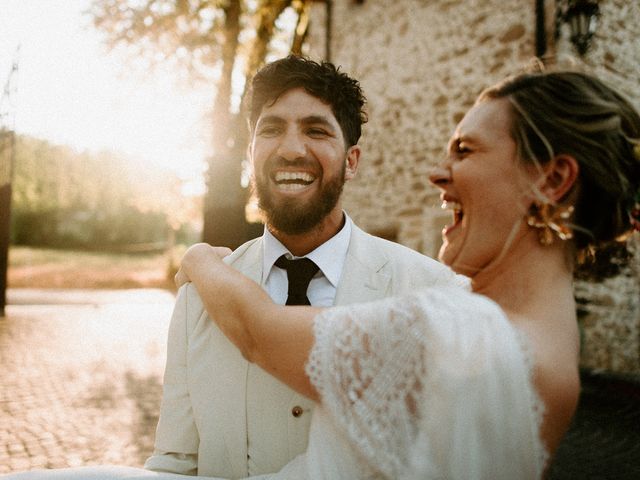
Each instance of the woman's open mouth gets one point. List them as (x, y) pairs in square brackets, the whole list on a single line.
[(458, 214)]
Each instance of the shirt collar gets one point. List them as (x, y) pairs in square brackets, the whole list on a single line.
[(329, 256)]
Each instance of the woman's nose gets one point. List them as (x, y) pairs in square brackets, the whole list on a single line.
[(440, 176)]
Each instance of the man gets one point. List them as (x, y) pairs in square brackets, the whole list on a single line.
[(220, 415)]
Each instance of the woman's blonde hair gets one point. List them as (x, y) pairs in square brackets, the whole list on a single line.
[(576, 114)]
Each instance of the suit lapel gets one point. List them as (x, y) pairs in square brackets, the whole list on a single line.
[(362, 279), (248, 259)]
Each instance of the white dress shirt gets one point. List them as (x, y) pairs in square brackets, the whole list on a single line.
[(329, 257)]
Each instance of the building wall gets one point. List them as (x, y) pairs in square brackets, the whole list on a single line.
[(421, 64)]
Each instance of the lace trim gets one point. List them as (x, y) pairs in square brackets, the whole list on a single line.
[(371, 406)]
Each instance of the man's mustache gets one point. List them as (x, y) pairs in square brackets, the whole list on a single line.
[(280, 162)]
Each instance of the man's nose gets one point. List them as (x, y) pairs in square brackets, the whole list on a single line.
[(292, 146)]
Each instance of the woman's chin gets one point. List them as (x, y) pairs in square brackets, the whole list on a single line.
[(446, 255), (451, 259)]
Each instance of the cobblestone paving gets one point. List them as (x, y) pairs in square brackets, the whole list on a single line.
[(81, 380)]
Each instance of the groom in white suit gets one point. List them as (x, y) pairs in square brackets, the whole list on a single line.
[(220, 415)]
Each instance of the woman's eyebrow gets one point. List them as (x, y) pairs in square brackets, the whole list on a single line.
[(465, 138)]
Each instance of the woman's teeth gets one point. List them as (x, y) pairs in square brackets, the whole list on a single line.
[(449, 205), (455, 207)]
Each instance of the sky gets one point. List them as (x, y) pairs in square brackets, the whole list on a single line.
[(72, 91)]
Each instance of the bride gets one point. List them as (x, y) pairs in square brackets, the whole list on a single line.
[(447, 383)]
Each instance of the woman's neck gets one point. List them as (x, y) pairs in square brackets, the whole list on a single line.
[(529, 279)]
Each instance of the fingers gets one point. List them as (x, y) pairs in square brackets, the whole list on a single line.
[(204, 249), (198, 254), (222, 251), (181, 278)]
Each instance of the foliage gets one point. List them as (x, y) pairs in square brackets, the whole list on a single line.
[(64, 198), (224, 40)]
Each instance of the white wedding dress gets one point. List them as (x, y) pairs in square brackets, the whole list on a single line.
[(434, 385)]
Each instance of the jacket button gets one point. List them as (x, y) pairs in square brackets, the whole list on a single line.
[(297, 411)]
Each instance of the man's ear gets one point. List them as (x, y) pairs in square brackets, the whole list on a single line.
[(353, 157), (560, 175)]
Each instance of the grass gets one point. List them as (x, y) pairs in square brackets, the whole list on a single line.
[(49, 268)]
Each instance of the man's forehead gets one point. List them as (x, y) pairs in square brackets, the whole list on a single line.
[(274, 119), (297, 103)]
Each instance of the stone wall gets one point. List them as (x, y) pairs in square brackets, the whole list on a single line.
[(421, 64)]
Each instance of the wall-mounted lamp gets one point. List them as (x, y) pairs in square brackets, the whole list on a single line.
[(582, 17)]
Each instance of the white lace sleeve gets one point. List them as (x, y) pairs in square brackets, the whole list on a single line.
[(431, 385)]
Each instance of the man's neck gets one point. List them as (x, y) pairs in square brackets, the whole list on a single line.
[(304, 243)]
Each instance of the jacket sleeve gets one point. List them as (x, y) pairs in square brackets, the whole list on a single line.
[(177, 440)]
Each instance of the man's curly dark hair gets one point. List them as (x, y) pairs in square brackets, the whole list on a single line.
[(323, 80)]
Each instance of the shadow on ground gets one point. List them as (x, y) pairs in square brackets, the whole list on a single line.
[(146, 392)]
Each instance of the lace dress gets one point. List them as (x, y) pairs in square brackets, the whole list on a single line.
[(434, 385)]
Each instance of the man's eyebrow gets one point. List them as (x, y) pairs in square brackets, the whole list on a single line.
[(317, 120), (305, 121), (270, 119)]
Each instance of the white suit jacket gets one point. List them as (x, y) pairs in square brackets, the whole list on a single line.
[(215, 403)]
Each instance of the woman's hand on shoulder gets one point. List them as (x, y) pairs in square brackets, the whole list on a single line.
[(198, 255)]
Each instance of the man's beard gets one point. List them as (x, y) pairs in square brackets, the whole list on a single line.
[(293, 216)]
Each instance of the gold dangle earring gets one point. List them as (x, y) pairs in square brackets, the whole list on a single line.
[(551, 220)]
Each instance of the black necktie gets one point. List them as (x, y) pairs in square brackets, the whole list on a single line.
[(299, 273)]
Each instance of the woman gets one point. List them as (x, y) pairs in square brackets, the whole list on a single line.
[(446, 383), (450, 384)]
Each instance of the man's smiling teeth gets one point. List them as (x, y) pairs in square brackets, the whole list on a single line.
[(296, 177), (293, 180)]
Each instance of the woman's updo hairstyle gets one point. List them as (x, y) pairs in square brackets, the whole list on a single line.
[(576, 114)]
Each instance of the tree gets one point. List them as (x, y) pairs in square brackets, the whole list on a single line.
[(65, 198), (220, 39)]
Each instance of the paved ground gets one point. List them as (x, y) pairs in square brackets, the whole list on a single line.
[(80, 377), (81, 373)]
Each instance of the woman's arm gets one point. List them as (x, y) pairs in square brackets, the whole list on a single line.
[(276, 338)]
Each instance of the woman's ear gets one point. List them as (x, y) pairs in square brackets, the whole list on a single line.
[(560, 175), (353, 157)]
